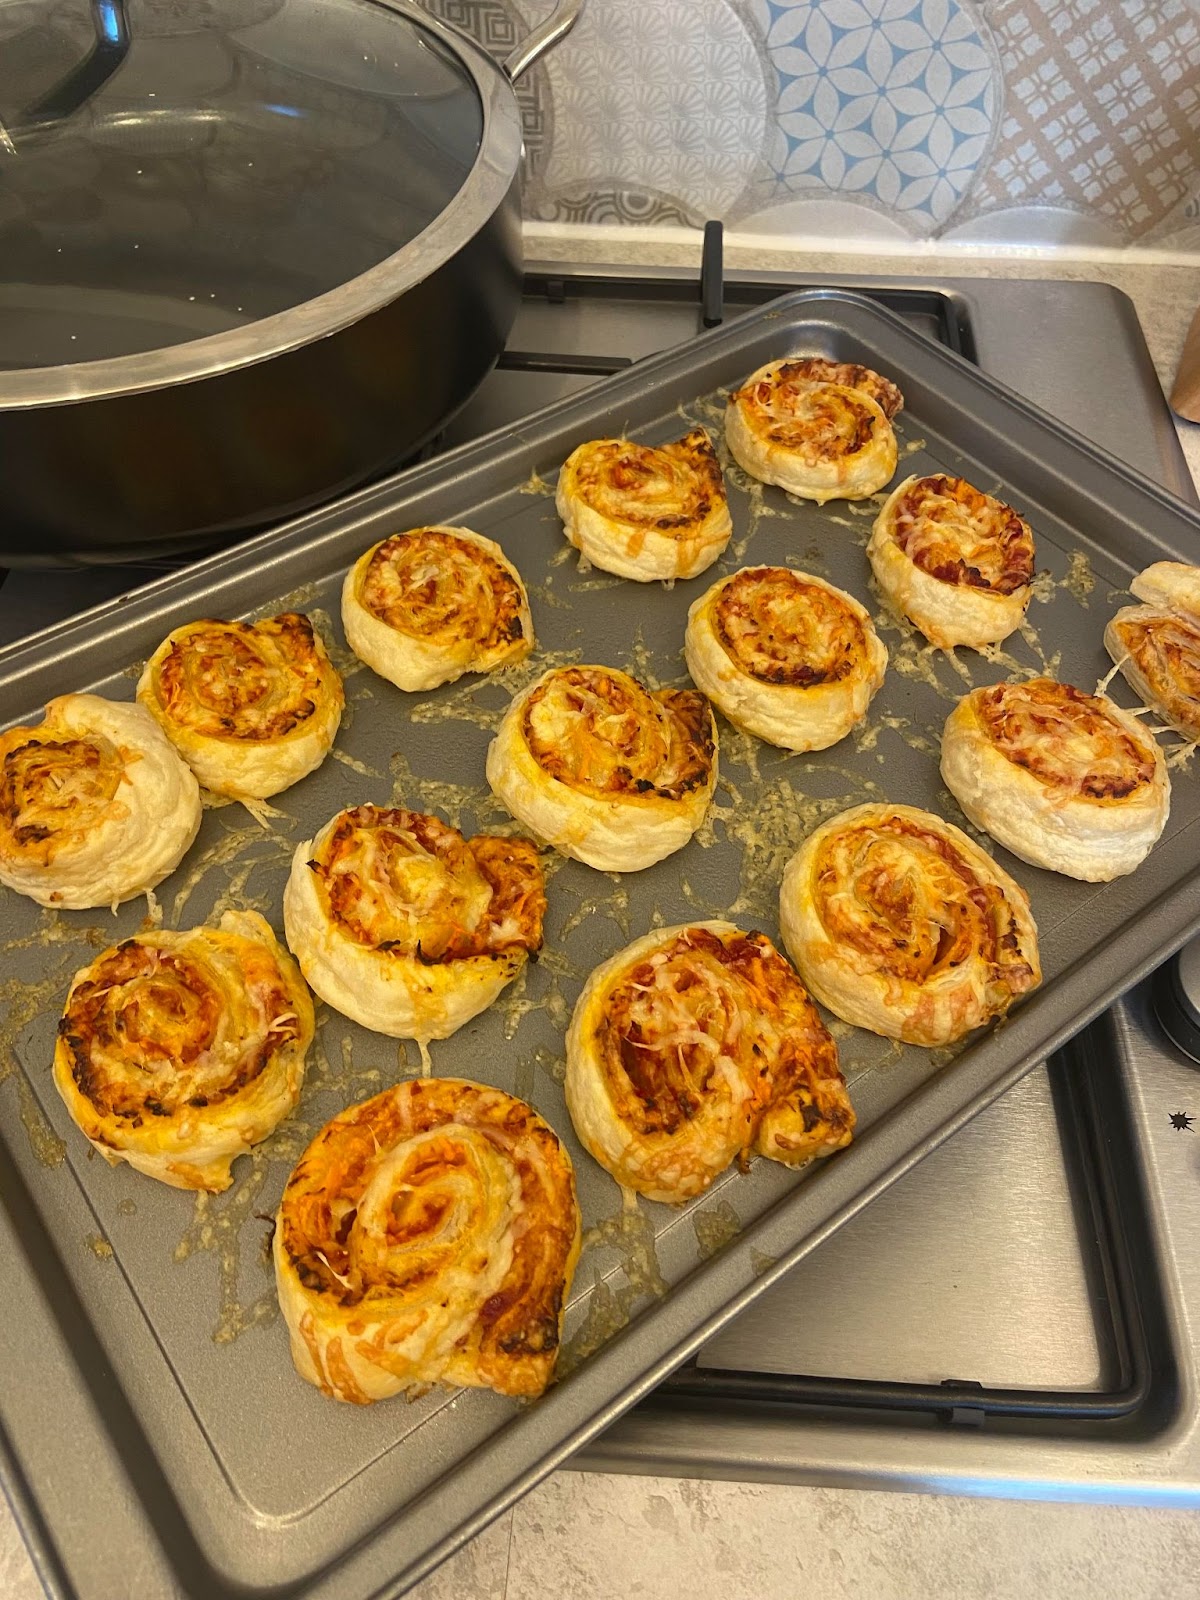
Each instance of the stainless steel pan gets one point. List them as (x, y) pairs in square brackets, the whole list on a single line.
[(252, 254)]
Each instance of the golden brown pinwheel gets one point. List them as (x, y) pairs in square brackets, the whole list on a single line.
[(428, 1235), (178, 1051), (820, 429), (645, 511), (785, 655), (898, 922), (692, 1047), (405, 926), (1065, 780), (95, 805), (1157, 644), (605, 770), (423, 607), (956, 562), (252, 707)]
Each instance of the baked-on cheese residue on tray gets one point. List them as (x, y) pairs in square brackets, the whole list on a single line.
[(693, 1046), (428, 1235)]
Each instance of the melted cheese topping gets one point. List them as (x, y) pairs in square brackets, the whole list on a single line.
[(1157, 645), (785, 656), (1065, 780), (900, 923), (423, 607), (643, 511), (95, 806), (604, 769), (1073, 743), (403, 924), (178, 1051), (251, 706), (692, 1047), (956, 562), (820, 429), (428, 1235)]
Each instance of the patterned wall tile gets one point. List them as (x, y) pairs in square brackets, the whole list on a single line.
[(1102, 110), (891, 101)]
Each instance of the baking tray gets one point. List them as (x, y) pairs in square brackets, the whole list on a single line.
[(148, 1402)]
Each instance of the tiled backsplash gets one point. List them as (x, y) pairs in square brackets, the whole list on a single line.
[(1017, 122)]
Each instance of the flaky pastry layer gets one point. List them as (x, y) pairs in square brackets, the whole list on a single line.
[(696, 1045), (177, 1052), (404, 925), (603, 769), (252, 707), (785, 655), (423, 607), (899, 922), (95, 804), (821, 430), (1065, 780), (427, 1236), (955, 561), (645, 511)]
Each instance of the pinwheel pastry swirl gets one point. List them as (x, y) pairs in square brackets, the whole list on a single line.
[(645, 511), (1157, 644), (405, 926), (953, 560), (423, 607), (95, 805), (1065, 780), (428, 1235), (605, 770), (820, 429), (785, 655), (252, 707), (178, 1051), (898, 922), (694, 1046)]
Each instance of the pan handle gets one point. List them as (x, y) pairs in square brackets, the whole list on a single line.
[(556, 26)]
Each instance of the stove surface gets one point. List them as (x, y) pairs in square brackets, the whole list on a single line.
[(1029, 1275)]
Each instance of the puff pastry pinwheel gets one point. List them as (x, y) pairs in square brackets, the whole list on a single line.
[(400, 923), (956, 562), (178, 1051), (695, 1045), (899, 922), (820, 429), (785, 655), (95, 805), (428, 1235), (1065, 780), (645, 511), (423, 607), (605, 770), (1157, 644), (252, 707)]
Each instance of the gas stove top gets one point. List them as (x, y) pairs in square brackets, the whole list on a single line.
[(1014, 1315)]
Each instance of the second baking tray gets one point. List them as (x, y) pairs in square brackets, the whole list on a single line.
[(142, 1329)]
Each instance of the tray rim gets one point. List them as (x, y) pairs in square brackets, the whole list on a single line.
[(1135, 949)]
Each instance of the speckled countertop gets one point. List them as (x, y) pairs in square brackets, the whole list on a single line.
[(596, 1537)]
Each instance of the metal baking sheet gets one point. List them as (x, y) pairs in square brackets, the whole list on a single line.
[(141, 1326)]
